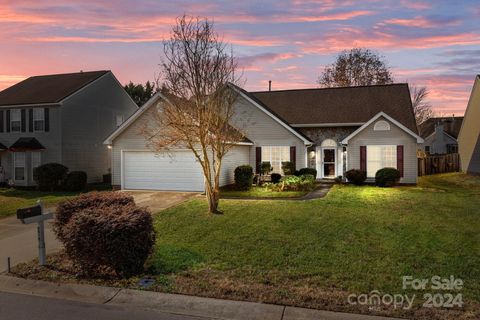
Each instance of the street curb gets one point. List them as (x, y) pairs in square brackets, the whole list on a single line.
[(198, 306), (171, 303), (75, 292)]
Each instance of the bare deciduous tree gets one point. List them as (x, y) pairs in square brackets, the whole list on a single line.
[(421, 107), (357, 67), (198, 70)]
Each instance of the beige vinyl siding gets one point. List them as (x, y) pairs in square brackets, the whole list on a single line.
[(237, 156), (395, 136), (89, 116), (263, 130), (51, 140), (131, 139), (469, 137)]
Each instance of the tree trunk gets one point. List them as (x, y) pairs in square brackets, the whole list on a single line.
[(213, 198)]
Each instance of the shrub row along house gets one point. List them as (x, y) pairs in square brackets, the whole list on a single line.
[(332, 130), (61, 118)]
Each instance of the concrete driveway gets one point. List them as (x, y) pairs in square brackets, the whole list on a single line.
[(19, 241), (160, 200)]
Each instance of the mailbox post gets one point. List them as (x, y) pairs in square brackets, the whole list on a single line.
[(35, 215)]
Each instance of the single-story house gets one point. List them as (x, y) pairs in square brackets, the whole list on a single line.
[(469, 137), (60, 118), (440, 134), (330, 129)]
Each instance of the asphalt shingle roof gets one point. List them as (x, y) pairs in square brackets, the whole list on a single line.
[(47, 89), (341, 105), (451, 125)]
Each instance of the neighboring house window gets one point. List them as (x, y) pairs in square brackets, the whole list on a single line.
[(427, 149), (276, 155), (38, 119), (19, 164), (15, 120), (381, 125), (452, 148), (379, 157), (119, 120), (36, 160)]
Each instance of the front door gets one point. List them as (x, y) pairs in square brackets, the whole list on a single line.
[(328, 163)]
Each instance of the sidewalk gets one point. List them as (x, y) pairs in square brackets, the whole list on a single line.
[(170, 303)]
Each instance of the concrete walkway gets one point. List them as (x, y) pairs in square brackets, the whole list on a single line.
[(170, 303)]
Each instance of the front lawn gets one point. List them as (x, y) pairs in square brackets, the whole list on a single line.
[(259, 192), (12, 199), (315, 253)]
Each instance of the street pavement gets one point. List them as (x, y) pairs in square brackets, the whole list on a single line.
[(27, 307)]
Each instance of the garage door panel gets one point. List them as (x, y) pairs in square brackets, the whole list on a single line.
[(145, 170)]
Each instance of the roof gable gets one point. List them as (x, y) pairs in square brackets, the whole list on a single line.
[(354, 105), (47, 89), (451, 126), (384, 115)]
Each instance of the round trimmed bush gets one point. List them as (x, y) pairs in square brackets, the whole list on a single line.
[(105, 231), (288, 168), (275, 177), (387, 177), (305, 171), (49, 176), (243, 177), (355, 176), (75, 181)]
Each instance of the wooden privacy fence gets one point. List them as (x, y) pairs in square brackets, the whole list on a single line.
[(431, 164)]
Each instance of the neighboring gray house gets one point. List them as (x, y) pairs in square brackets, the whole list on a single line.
[(61, 118), (332, 130), (440, 134)]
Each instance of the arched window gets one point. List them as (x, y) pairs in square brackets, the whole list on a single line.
[(381, 125), (329, 143)]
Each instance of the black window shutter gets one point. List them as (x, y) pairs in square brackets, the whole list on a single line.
[(24, 120), (258, 158), (1, 120), (30, 120), (8, 120), (47, 119)]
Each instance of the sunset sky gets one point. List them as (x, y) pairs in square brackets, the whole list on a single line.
[(432, 43)]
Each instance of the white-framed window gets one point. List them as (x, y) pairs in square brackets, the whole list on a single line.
[(15, 120), (119, 120), (276, 155), (36, 158), (38, 119), (19, 166), (379, 157)]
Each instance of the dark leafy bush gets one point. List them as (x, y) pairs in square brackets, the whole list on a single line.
[(387, 177), (49, 176), (266, 167), (275, 177), (75, 181), (243, 177), (67, 209), (355, 176), (105, 230), (288, 168), (305, 171)]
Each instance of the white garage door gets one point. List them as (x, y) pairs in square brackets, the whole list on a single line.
[(146, 170)]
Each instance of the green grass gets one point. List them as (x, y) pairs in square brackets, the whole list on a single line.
[(12, 199), (356, 239), (260, 192)]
